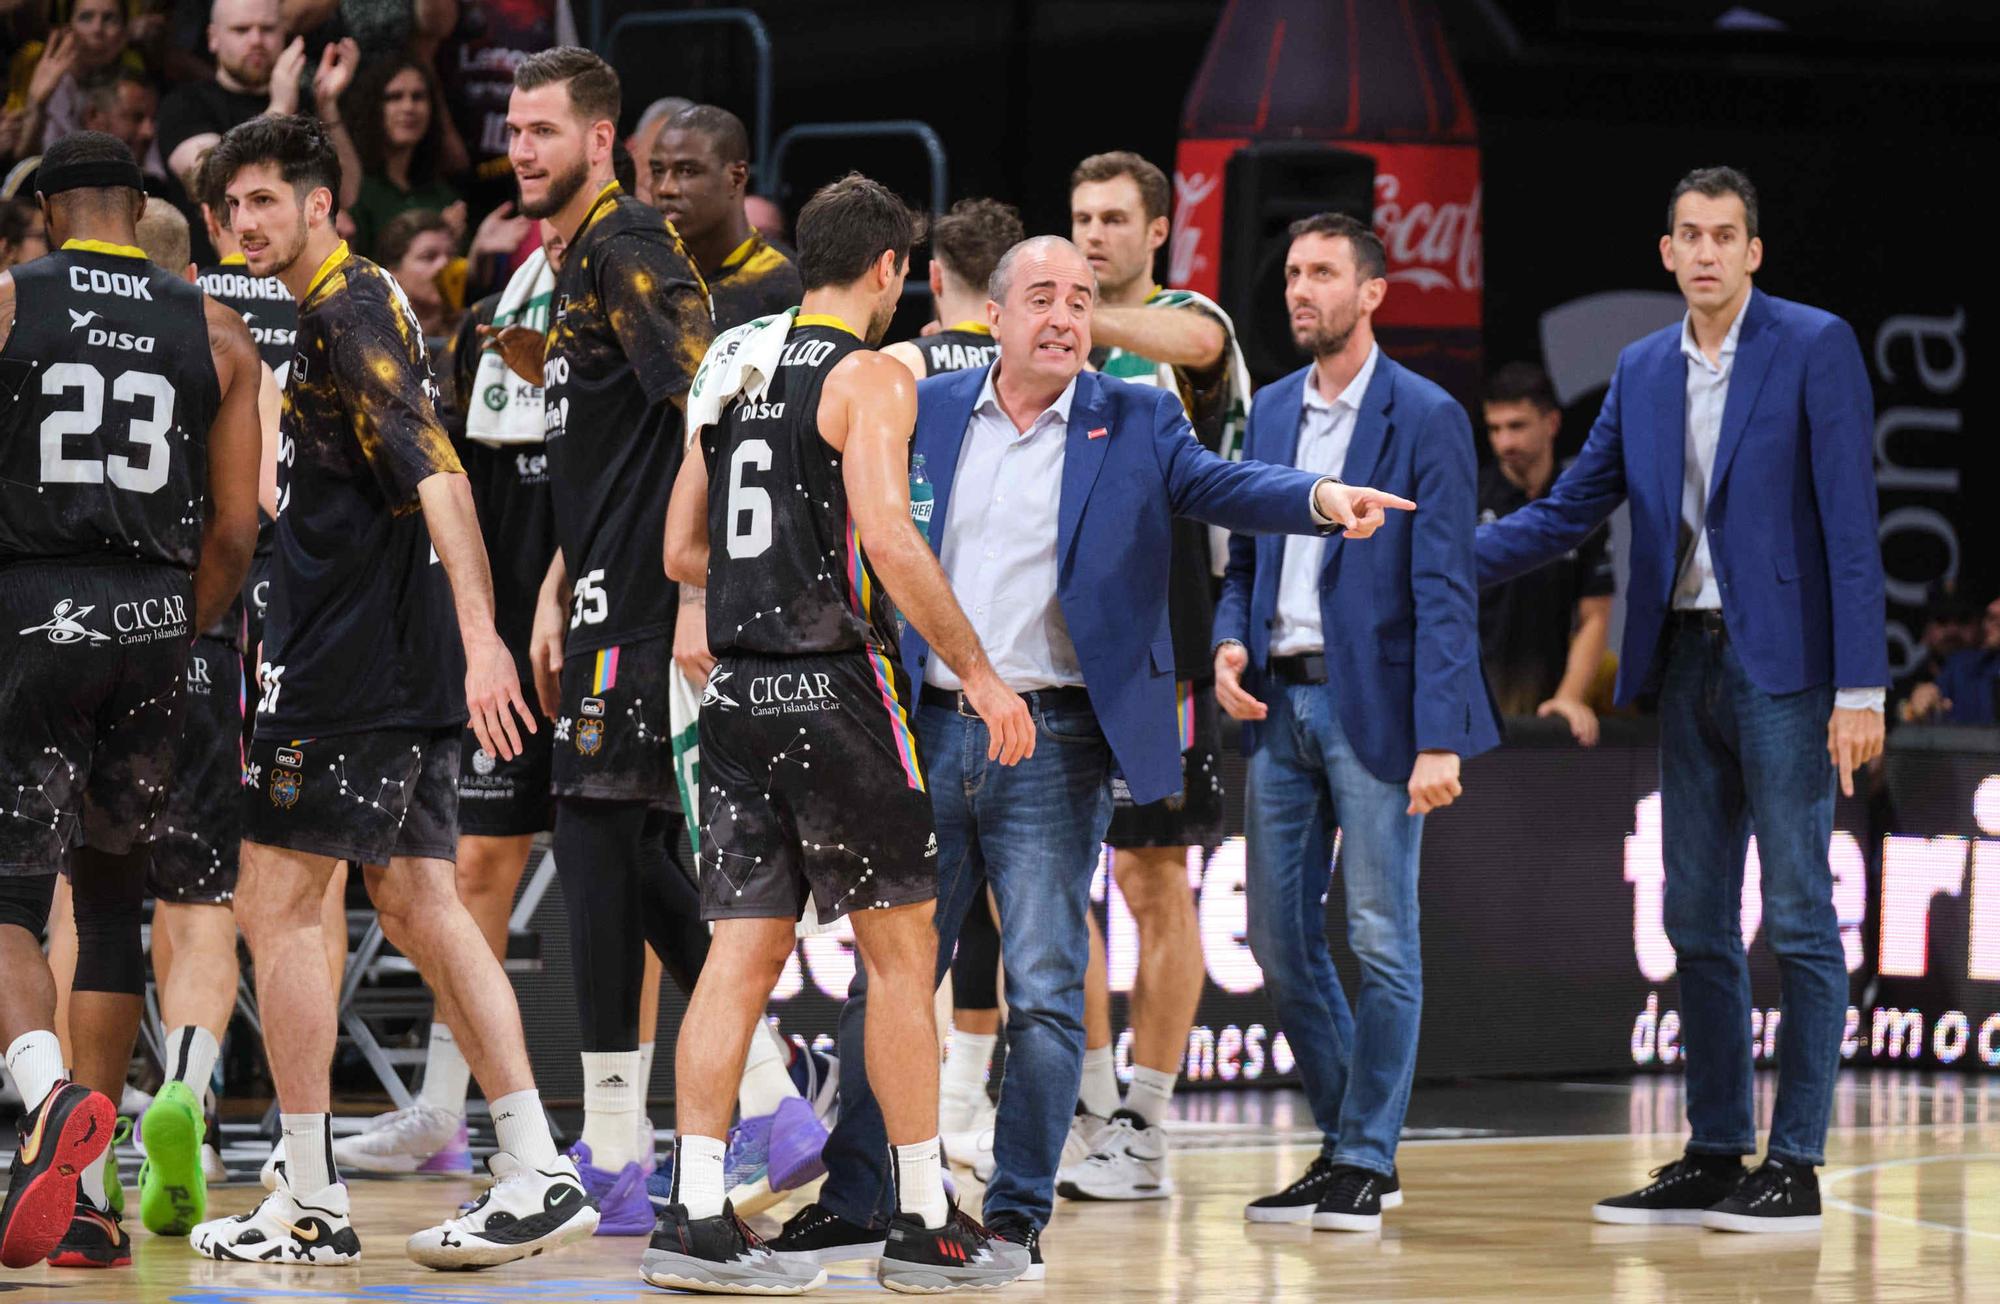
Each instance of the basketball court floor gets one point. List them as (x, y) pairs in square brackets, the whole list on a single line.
[(1499, 1179)]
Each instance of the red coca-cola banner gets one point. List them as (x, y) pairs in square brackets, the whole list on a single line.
[(1427, 211)]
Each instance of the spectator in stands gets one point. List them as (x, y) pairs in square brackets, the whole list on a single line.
[(256, 73), (1967, 688), (125, 105), (768, 218), (396, 116), (418, 247), (47, 81), (1542, 636), (23, 237), (700, 165), (1950, 624)]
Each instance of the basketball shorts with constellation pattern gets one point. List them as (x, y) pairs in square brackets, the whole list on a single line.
[(90, 706), (194, 848), (613, 739), (360, 797), (812, 786)]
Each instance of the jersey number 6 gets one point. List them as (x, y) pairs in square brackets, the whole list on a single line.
[(748, 504)]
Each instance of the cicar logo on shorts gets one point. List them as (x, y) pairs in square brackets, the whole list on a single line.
[(286, 779)]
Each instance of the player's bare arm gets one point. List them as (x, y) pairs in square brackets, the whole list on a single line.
[(270, 411), (491, 686), (524, 351), (686, 558), (1179, 337), (235, 454), (545, 640), (868, 410)]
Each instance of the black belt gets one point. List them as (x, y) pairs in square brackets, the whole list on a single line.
[(1305, 668), (1058, 699), (1706, 620)]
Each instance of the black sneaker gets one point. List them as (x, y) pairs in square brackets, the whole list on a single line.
[(1017, 1230), (58, 1141), (96, 1239), (1777, 1196), (1354, 1200), (960, 1255), (1677, 1195), (818, 1235), (1296, 1202), (720, 1255)]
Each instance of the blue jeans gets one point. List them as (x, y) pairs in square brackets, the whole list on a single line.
[(1034, 833), (1732, 758), (1356, 1063)]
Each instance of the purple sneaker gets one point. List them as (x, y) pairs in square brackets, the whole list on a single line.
[(797, 1137), (620, 1197)]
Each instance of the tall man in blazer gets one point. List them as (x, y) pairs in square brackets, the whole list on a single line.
[(1742, 438), (1056, 490), (1356, 674)]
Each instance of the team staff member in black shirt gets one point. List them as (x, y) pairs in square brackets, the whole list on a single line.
[(630, 324), (700, 167), (366, 680), (966, 245), (1542, 636)]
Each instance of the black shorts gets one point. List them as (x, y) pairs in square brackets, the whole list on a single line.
[(90, 706), (194, 849), (811, 783), (1192, 817), (613, 740), (362, 797), (504, 799)]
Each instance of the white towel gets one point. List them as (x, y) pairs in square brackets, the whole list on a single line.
[(507, 408), (742, 360)]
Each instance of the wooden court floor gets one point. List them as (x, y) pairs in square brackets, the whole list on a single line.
[(1914, 1214)]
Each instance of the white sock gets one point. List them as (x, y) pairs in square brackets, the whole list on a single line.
[(966, 1058), (35, 1060), (523, 1129), (447, 1077), (920, 1182), (698, 1175), (766, 1081), (611, 1099), (645, 1071), (1150, 1094), (308, 1154), (191, 1056), (91, 1181), (1099, 1092)]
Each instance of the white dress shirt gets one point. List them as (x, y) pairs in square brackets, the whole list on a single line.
[(1326, 428), (999, 544), (1696, 588)]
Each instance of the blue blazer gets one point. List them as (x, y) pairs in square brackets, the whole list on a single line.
[(1791, 505), (1120, 493), (1400, 612)]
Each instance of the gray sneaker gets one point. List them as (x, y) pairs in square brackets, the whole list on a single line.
[(961, 1255), (720, 1256)]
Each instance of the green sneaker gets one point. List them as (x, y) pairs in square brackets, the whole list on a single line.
[(173, 1194), (114, 1187)]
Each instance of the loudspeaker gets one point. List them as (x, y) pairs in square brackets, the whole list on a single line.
[(1267, 186)]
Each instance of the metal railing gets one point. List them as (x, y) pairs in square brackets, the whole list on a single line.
[(751, 25)]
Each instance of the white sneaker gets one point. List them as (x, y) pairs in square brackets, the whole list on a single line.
[(1081, 1143), (284, 1229), (1129, 1163), (968, 1111), (422, 1138), (525, 1212), (133, 1102), (968, 1133), (213, 1170)]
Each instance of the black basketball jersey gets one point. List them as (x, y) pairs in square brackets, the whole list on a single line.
[(786, 574), (104, 448), (964, 346), (265, 305)]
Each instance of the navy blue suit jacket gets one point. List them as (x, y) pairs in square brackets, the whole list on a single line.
[(1399, 611), (1120, 492), (1791, 504)]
